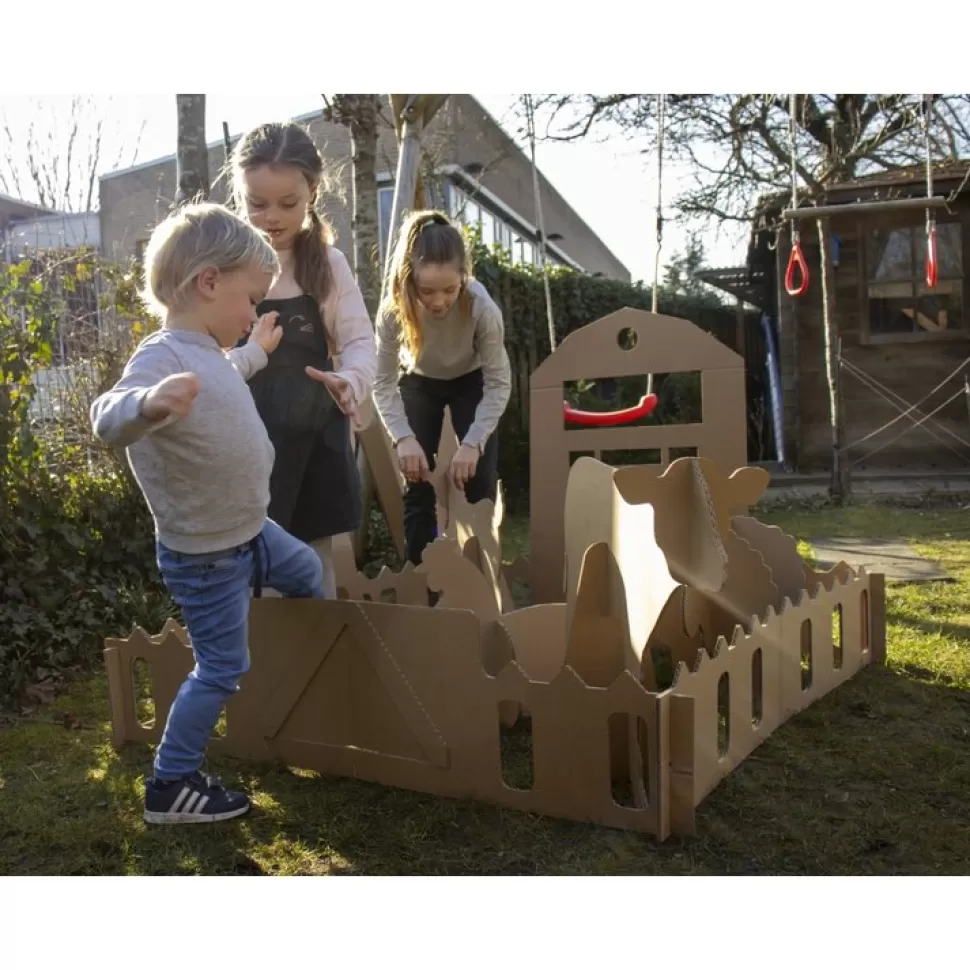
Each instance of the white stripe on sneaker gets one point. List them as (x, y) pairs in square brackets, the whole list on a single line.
[(190, 804)]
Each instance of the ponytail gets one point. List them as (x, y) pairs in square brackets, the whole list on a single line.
[(425, 237), (311, 263)]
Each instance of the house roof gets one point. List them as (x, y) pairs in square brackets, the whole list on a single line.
[(909, 181), (944, 173), (164, 159), (453, 170), (9, 199), (898, 183), (739, 281), (11, 208)]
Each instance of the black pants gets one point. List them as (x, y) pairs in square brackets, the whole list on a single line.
[(425, 400)]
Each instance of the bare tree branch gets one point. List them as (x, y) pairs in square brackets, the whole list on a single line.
[(93, 163), (55, 157), (69, 152), (738, 146)]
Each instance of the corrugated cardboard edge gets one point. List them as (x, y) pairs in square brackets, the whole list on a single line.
[(389, 668)]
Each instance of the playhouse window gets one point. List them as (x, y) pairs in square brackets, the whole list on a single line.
[(900, 305)]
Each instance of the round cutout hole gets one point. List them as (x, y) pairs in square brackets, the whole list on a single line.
[(627, 338)]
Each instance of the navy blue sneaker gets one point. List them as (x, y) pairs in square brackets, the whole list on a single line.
[(197, 798)]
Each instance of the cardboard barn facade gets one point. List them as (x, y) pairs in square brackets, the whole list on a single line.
[(688, 632), (628, 343)]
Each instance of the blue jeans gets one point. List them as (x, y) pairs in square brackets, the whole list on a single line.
[(212, 591)]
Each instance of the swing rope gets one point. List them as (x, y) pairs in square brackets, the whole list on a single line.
[(654, 296), (919, 423), (530, 123), (796, 261), (931, 255), (894, 400), (588, 418), (861, 375)]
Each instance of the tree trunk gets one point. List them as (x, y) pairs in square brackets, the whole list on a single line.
[(839, 485), (191, 153), (362, 115), (367, 262), (359, 112)]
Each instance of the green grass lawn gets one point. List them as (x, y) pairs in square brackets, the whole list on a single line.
[(874, 779)]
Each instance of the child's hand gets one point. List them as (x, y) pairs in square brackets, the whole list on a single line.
[(339, 388), (266, 333), (463, 465), (174, 395), (412, 460)]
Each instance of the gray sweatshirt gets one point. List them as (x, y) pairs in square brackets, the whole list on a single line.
[(205, 477), (452, 346)]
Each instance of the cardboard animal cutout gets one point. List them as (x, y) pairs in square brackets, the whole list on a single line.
[(415, 696), (671, 633), (624, 344)]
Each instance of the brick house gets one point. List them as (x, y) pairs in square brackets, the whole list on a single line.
[(480, 176)]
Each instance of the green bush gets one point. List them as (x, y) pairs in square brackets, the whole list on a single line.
[(76, 540), (76, 566)]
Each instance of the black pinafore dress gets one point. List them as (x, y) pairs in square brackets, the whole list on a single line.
[(315, 490)]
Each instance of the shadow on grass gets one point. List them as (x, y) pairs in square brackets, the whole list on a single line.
[(874, 779), (903, 618)]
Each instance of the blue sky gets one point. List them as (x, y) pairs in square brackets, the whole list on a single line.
[(610, 184)]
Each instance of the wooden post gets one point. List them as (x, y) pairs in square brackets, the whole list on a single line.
[(788, 357), (406, 181), (877, 617), (824, 211)]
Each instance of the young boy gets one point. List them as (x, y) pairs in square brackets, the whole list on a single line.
[(203, 460)]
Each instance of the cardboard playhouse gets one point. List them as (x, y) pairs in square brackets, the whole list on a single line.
[(688, 632)]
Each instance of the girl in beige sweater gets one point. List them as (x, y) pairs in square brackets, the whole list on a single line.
[(440, 343)]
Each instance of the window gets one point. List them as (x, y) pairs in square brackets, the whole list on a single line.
[(489, 229), (901, 307), (505, 237), (523, 251), (457, 203), (448, 197), (435, 194), (385, 205), (467, 210)]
